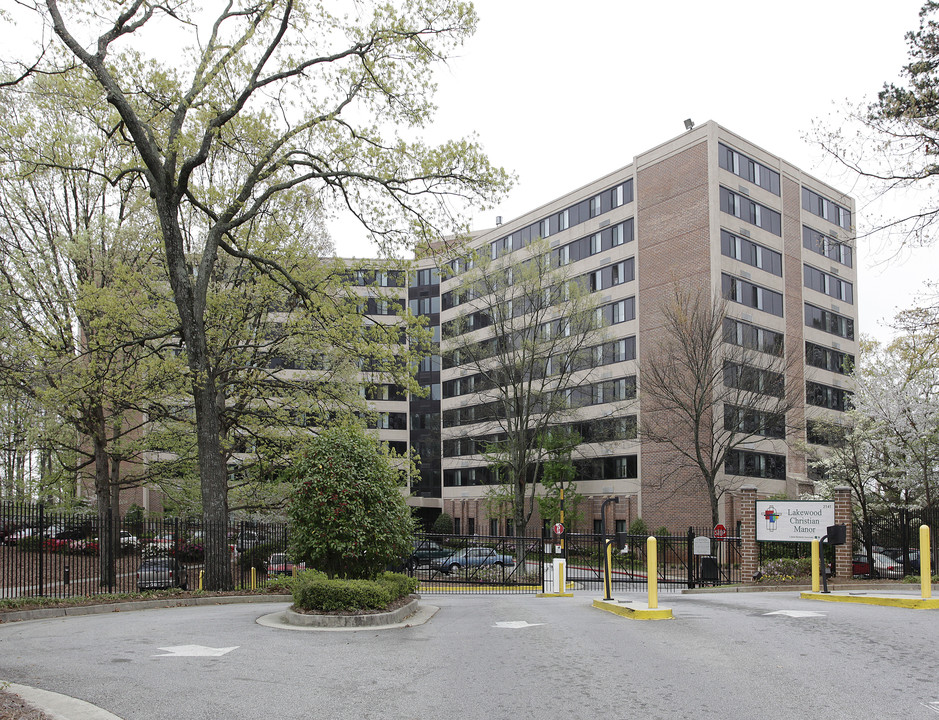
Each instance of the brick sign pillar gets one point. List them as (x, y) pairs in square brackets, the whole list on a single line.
[(843, 515), (749, 550)]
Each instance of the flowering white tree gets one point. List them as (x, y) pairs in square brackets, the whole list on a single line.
[(898, 390)]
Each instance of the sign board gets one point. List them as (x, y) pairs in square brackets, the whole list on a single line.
[(558, 529), (793, 520), (720, 532), (702, 545)]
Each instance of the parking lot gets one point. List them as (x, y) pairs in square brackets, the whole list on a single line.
[(729, 655)]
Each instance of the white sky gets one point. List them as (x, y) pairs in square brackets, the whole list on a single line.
[(563, 92)]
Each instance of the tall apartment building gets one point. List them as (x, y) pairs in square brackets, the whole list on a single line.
[(707, 209)]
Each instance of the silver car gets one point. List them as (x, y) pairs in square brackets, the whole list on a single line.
[(159, 573)]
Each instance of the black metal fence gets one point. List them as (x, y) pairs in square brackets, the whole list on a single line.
[(477, 564), (894, 535), (50, 553), (678, 566)]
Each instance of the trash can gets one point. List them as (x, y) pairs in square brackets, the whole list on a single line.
[(710, 570)]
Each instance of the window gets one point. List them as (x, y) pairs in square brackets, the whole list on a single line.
[(828, 321), (825, 208), (751, 295), (618, 235), (830, 247), (754, 422), (493, 526), (623, 349), (753, 337), (753, 379), (544, 228), (742, 166), (755, 464), (623, 310), (594, 206), (431, 276), (751, 212), (564, 220), (828, 359), (564, 255), (829, 284), (751, 253), (622, 194), (827, 397), (596, 281), (595, 244)]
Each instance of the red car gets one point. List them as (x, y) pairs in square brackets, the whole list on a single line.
[(279, 564)]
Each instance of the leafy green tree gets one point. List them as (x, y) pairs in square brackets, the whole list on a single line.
[(278, 99), (443, 524), (348, 515)]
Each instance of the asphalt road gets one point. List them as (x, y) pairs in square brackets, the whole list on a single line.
[(724, 655)]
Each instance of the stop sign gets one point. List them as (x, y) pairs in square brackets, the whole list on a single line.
[(558, 529), (720, 532)]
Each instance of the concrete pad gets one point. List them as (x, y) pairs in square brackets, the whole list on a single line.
[(904, 601), (634, 610)]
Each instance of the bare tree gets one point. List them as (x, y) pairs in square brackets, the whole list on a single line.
[(524, 342), (710, 386)]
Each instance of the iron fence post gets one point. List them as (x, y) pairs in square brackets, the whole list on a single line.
[(42, 534), (690, 551), (108, 537)]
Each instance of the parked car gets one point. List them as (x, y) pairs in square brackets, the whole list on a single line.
[(247, 540), (860, 567), (472, 557), (886, 567), (161, 573), (280, 564), (425, 553)]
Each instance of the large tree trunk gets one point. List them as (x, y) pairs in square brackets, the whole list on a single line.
[(106, 570)]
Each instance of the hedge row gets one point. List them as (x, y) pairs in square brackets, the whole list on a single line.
[(312, 590)]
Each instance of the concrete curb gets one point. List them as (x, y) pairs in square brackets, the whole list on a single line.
[(902, 601), (131, 605), (60, 707), (634, 610), (370, 620), (421, 614)]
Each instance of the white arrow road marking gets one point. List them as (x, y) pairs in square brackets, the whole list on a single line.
[(796, 613), (515, 624), (195, 651)]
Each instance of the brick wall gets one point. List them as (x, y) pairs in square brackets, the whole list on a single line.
[(674, 245), (795, 336)]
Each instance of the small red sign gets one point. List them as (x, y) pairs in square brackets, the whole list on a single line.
[(720, 532), (558, 529)]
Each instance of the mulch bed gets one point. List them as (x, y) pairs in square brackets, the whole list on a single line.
[(13, 707)]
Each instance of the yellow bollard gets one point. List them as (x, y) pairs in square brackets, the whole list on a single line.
[(254, 578), (652, 573), (201, 576), (816, 563), (925, 564)]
